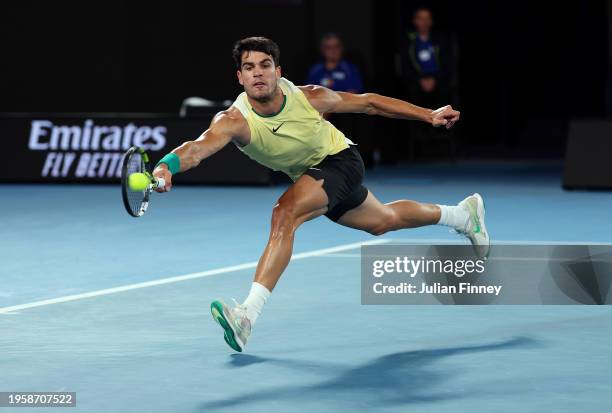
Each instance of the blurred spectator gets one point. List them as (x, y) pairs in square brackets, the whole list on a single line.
[(338, 74), (335, 72), (428, 62)]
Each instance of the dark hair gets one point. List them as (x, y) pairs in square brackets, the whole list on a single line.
[(255, 44)]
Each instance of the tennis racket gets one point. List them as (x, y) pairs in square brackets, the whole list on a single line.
[(137, 183)]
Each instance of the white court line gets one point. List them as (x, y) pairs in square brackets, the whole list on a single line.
[(344, 255), (179, 278), (569, 260), (426, 241)]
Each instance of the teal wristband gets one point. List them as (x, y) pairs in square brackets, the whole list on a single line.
[(173, 162)]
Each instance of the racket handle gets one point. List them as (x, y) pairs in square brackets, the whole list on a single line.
[(159, 183)]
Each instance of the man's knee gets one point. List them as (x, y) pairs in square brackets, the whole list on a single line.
[(385, 222), (283, 218)]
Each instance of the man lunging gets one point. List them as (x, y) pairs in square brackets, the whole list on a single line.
[(280, 125)]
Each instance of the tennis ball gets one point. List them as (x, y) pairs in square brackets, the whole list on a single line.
[(138, 182)]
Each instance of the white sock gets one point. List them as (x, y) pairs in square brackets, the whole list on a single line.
[(453, 216), (255, 301)]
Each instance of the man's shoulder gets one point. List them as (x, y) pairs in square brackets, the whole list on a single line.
[(311, 90), (230, 119), (230, 114), (231, 122)]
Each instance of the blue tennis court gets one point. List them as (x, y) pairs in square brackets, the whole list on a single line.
[(116, 309)]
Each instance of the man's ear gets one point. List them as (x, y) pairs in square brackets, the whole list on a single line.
[(278, 72), (239, 74)]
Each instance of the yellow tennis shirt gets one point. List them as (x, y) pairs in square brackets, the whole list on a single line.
[(295, 138)]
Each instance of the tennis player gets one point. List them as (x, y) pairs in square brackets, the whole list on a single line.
[(280, 125)]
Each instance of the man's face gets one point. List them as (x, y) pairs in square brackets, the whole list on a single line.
[(422, 21), (331, 49), (258, 75)]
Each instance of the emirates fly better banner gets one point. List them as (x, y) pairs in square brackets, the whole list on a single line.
[(90, 150), (46, 149)]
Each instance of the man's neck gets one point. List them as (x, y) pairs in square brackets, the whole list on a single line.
[(270, 107)]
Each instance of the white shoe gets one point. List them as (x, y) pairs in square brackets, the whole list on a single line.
[(234, 322), (475, 229)]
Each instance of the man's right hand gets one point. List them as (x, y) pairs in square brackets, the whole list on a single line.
[(162, 172)]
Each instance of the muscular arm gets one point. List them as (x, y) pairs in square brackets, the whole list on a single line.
[(328, 101), (226, 126)]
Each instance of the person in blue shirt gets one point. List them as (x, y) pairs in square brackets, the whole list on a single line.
[(334, 72), (428, 61)]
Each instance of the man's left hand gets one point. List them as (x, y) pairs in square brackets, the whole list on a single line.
[(445, 116)]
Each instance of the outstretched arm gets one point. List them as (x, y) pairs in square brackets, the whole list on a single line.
[(225, 126), (329, 101)]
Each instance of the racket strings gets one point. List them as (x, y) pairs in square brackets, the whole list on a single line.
[(135, 198)]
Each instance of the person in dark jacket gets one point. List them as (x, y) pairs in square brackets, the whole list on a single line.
[(428, 61)]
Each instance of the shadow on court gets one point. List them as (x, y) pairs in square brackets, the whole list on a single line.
[(393, 379)]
